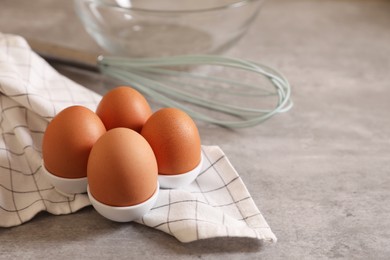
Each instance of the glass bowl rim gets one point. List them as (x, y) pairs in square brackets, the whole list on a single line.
[(232, 5)]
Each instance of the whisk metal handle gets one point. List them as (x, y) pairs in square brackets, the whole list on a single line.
[(59, 54)]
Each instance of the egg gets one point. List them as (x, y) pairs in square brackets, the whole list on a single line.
[(122, 169), (175, 141), (124, 107), (68, 140)]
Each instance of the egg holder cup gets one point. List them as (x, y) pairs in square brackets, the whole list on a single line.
[(180, 180), (66, 186), (71, 186), (126, 213)]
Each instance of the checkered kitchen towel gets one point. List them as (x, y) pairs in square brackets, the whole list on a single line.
[(217, 204)]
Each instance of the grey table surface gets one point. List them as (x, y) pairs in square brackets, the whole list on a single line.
[(320, 173)]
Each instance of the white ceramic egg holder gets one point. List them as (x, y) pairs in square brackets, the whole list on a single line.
[(69, 187), (124, 214), (66, 186), (180, 180)]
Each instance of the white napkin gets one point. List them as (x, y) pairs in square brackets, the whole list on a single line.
[(217, 204)]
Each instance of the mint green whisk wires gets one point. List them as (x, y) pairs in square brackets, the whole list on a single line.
[(155, 78)]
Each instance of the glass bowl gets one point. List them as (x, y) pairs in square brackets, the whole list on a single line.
[(156, 28)]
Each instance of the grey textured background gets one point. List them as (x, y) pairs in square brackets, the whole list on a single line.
[(320, 174)]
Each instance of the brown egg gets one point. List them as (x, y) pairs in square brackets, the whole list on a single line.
[(124, 107), (122, 169), (68, 140), (175, 140)]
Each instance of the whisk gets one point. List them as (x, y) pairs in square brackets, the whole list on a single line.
[(175, 81)]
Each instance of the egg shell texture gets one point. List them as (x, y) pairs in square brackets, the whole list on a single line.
[(68, 140), (124, 107), (122, 169), (175, 140)]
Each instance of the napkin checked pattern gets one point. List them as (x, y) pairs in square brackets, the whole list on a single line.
[(216, 204)]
